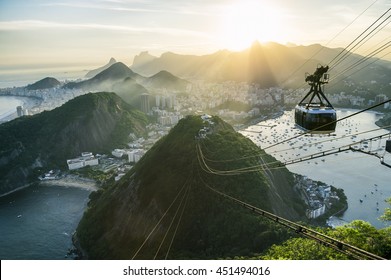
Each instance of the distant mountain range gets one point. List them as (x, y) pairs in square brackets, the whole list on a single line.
[(94, 72), (95, 122), (269, 65), (129, 85)]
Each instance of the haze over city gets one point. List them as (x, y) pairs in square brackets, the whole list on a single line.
[(40, 33)]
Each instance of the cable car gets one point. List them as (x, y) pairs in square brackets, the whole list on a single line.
[(317, 114)]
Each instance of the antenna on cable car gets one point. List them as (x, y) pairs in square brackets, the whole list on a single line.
[(318, 111)]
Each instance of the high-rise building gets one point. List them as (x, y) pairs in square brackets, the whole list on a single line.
[(157, 98), (145, 103), (19, 111)]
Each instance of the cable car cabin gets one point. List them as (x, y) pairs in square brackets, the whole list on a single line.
[(314, 112), (311, 118)]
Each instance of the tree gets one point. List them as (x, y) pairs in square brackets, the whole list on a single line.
[(387, 212)]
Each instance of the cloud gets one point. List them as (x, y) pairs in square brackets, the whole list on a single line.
[(26, 25), (143, 7)]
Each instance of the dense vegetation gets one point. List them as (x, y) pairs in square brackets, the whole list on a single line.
[(358, 233), (96, 122), (122, 214)]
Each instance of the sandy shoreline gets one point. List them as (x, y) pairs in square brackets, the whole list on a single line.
[(67, 182), (72, 182), (28, 103)]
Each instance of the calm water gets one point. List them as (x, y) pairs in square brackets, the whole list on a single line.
[(38, 222), (359, 175), (24, 76), (8, 105)]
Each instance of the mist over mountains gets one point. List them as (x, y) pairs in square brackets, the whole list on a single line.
[(268, 65)]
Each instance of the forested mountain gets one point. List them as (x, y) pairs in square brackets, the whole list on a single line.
[(95, 122), (169, 179)]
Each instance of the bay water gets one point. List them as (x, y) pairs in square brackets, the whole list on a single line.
[(366, 182)]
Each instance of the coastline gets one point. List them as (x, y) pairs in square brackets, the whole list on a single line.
[(67, 181), (28, 103), (70, 181)]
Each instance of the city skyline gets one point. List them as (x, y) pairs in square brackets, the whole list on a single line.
[(41, 32)]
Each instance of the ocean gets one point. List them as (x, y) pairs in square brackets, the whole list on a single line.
[(37, 222), (8, 105), (26, 76)]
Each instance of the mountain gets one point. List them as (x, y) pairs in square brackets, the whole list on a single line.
[(95, 72), (262, 64), (142, 59), (165, 79), (95, 122), (167, 196), (45, 83), (117, 78), (268, 64), (105, 79), (129, 85)]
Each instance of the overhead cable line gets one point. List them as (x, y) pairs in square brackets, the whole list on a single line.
[(323, 47), (177, 226), (336, 121), (359, 43), (321, 238), (185, 195), (363, 59), (277, 164), (159, 222), (346, 77), (345, 49), (291, 148)]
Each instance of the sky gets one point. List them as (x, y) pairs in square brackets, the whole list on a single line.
[(35, 33)]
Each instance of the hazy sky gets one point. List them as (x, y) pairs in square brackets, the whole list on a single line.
[(36, 32)]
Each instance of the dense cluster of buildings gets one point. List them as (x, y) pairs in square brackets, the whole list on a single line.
[(318, 196), (169, 106), (86, 159)]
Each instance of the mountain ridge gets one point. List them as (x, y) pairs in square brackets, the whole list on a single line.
[(269, 65), (94, 72), (95, 122), (45, 83)]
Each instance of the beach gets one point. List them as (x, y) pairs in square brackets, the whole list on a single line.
[(9, 104), (72, 181)]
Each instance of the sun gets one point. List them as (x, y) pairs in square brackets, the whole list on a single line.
[(244, 22)]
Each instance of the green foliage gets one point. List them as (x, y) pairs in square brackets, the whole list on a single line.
[(301, 249), (120, 217), (365, 236), (387, 212), (357, 233)]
